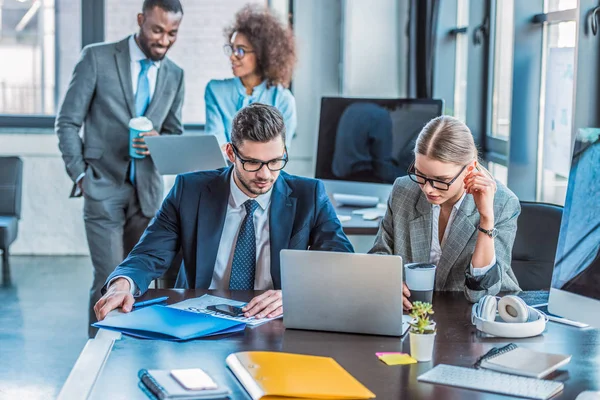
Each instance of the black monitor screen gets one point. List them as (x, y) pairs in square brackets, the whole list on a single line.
[(577, 263), (370, 140)]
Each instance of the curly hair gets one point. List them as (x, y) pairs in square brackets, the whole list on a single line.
[(273, 43)]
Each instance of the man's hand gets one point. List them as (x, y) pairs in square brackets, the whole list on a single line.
[(80, 184), (139, 143), (405, 294), (267, 305), (117, 295)]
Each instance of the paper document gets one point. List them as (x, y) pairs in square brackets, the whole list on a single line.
[(199, 305)]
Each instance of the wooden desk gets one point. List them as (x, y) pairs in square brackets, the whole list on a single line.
[(457, 343)]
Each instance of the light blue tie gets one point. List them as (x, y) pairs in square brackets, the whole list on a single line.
[(142, 100), (244, 257)]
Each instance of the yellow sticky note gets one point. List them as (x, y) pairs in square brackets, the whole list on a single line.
[(397, 359)]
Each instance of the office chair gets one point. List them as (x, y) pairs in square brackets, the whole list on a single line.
[(534, 250), (11, 182)]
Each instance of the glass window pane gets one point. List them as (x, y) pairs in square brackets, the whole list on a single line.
[(199, 46), (559, 5), (556, 104), (499, 172), (42, 48), (462, 46), (503, 68)]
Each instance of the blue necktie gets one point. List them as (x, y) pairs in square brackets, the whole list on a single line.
[(244, 258), (142, 100)]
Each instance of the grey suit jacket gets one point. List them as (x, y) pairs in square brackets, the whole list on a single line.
[(406, 231), (100, 98)]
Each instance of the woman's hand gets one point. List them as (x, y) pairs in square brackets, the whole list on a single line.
[(406, 304), (482, 187)]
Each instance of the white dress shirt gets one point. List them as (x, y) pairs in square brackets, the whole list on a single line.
[(233, 222), (135, 56), (436, 247)]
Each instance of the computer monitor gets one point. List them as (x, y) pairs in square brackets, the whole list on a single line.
[(575, 289), (370, 140)]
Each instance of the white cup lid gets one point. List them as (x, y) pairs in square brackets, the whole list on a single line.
[(142, 124)]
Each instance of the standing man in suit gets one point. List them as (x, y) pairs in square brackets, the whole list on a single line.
[(232, 223), (111, 84)]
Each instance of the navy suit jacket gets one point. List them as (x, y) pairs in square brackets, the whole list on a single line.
[(192, 216)]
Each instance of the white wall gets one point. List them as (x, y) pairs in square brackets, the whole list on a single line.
[(51, 223), (317, 27), (375, 48)]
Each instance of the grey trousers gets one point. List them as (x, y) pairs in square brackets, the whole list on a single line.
[(113, 227)]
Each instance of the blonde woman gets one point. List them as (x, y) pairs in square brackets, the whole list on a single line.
[(449, 211)]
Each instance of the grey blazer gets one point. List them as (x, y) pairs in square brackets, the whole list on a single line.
[(100, 98), (406, 231)]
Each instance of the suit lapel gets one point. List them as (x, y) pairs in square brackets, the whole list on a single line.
[(462, 229), (124, 69), (420, 232), (211, 218), (281, 220), (161, 82)]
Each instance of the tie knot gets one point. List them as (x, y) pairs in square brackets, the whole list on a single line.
[(146, 63), (251, 206)]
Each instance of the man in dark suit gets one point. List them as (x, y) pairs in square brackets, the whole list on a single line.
[(232, 223), (113, 83)]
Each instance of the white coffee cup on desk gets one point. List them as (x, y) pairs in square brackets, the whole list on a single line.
[(420, 279)]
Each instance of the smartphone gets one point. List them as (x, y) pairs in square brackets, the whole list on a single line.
[(193, 379), (227, 310)]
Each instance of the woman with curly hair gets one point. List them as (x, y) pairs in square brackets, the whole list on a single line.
[(262, 54)]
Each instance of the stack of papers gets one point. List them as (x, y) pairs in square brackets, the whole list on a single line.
[(199, 304)]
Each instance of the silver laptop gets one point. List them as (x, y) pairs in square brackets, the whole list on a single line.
[(178, 154), (343, 292)]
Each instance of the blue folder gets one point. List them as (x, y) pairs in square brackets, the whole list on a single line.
[(166, 323)]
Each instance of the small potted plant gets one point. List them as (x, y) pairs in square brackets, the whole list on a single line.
[(422, 331)]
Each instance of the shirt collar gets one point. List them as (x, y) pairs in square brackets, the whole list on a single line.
[(256, 91), (136, 54), (456, 205), (238, 198)]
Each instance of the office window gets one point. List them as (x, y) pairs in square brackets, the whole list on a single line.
[(499, 172), (503, 68), (460, 71), (39, 45), (559, 5), (556, 105), (199, 46)]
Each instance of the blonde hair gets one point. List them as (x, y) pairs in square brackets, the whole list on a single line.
[(448, 140)]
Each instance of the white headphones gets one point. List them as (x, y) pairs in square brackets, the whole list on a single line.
[(520, 320)]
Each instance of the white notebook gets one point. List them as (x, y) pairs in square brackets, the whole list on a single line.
[(516, 360)]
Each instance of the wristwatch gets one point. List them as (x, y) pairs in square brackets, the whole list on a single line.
[(492, 233)]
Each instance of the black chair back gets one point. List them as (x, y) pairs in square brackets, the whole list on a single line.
[(11, 182), (535, 244)]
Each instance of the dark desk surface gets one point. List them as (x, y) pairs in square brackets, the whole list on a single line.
[(457, 343), (357, 225)]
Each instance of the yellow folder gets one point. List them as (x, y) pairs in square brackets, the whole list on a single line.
[(273, 376)]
